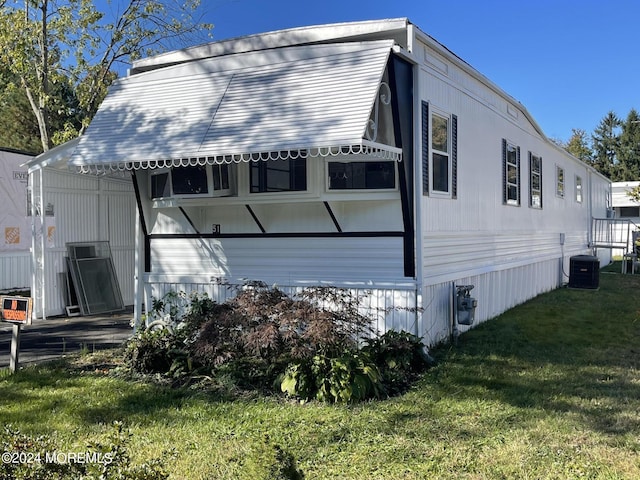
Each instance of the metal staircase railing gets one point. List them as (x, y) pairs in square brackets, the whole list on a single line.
[(613, 233)]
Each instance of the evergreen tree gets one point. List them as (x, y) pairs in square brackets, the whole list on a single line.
[(629, 148), (606, 143), (578, 146)]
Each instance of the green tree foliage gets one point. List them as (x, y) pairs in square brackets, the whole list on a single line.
[(18, 126), (578, 145), (606, 143), (629, 147), (614, 149), (64, 54), (634, 194)]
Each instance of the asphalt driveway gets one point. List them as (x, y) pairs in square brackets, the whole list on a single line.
[(51, 338)]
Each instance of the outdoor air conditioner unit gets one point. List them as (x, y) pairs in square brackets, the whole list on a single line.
[(584, 271)]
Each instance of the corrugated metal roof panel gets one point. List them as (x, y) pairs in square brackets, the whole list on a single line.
[(319, 98)]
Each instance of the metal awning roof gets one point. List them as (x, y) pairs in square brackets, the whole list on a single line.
[(311, 100)]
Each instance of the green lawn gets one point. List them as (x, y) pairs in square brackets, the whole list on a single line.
[(548, 390)]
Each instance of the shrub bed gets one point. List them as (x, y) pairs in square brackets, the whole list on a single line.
[(309, 346)]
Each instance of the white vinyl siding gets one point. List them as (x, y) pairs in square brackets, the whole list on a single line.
[(16, 271), (282, 260)]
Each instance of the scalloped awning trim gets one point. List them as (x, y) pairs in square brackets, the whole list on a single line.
[(370, 149)]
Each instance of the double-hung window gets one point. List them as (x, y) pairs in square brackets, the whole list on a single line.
[(559, 181), (510, 173), (578, 189), (439, 152), (535, 181)]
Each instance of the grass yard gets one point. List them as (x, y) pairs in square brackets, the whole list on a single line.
[(548, 390)]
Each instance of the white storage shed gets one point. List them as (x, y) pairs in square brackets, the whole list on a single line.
[(363, 155), (77, 209)]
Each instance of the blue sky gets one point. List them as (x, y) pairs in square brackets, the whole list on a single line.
[(569, 62)]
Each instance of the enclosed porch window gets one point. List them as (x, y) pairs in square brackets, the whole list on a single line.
[(192, 181), (289, 175), (361, 175)]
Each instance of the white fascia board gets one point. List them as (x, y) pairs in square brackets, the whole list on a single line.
[(395, 29)]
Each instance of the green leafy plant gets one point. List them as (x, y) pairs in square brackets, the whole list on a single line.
[(348, 378), (400, 356)]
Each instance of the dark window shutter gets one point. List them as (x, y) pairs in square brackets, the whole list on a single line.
[(454, 156), (518, 167), (504, 171), (425, 148)]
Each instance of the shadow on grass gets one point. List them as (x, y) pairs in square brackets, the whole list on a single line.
[(569, 351), (83, 396)]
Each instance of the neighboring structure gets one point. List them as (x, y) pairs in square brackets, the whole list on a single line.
[(77, 208), (626, 212), (15, 228), (364, 155)]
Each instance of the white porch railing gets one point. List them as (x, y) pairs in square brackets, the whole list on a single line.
[(389, 307), (614, 233)]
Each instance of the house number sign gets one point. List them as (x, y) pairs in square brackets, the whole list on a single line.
[(215, 229)]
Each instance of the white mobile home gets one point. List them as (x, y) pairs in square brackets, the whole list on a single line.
[(69, 208), (363, 155), (14, 225)]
